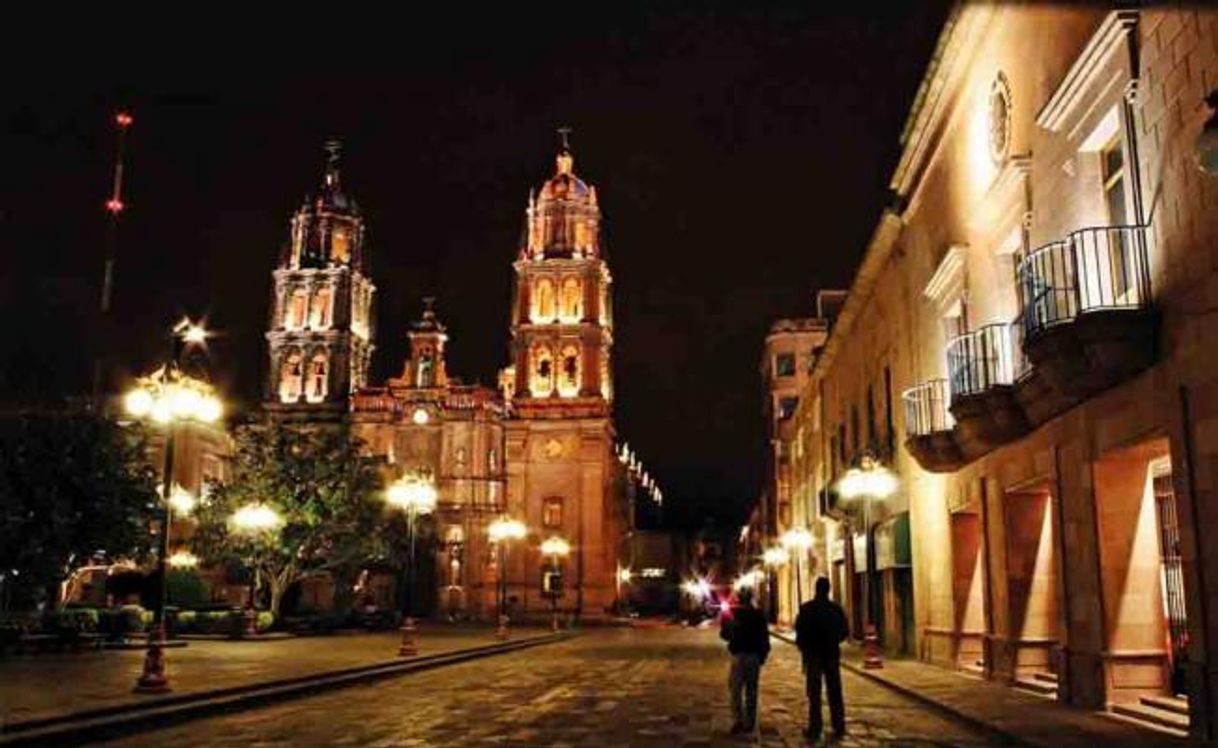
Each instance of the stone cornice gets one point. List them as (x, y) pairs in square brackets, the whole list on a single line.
[(1116, 31)]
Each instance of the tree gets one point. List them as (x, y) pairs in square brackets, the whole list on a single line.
[(71, 485), (324, 490)]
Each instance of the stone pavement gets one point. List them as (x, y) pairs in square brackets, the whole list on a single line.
[(1024, 717), (55, 684), (609, 687)]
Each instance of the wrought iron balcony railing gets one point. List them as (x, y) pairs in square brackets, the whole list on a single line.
[(926, 408), (1092, 269), (979, 360)]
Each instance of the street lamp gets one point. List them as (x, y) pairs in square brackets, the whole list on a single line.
[(555, 549), (416, 494), (166, 398), (255, 521), (797, 541), (501, 532), (869, 481)]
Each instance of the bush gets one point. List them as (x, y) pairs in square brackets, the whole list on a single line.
[(265, 620), (131, 619), (186, 588), (187, 621)]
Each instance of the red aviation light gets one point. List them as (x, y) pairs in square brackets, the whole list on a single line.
[(114, 205), (123, 120)]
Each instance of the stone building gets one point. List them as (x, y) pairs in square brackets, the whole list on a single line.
[(790, 351), (1027, 346), (430, 427), (560, 437), (539, 449), (320, 336)]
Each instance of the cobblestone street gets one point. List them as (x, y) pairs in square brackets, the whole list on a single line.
[(619, 687)]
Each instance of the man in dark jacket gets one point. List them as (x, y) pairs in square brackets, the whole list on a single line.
[(820, 628), (748, 640)]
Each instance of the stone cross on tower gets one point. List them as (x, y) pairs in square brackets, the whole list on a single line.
[(564, 132)]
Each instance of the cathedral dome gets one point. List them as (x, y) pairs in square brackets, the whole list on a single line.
[(563, 217)]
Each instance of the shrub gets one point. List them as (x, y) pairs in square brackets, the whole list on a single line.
[(187, 621), (131, 618), (265, 620)]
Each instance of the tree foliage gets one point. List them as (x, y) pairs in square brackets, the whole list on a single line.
[(71, 485), (322, 486)]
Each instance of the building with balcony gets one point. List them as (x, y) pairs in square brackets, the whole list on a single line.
[(1026, 345)]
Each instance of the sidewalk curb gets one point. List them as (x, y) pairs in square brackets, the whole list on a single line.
[(1000, 736), (105, 723)]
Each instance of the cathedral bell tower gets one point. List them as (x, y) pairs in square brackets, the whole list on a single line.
[(559, 440), (321, 327), (425, 369), (562, 320)]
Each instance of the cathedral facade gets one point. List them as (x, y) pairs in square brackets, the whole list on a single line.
[(539, 449)]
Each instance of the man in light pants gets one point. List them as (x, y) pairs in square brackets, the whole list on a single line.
[(747, 635)]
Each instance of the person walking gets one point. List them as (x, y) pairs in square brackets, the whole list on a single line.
[(747, 635), (820, 629)]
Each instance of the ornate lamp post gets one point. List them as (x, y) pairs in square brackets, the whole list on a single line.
[(255, 521), (501, 532), (166, 398), (870, 481), (555, 549), (797, 541), (415, 493), (774, 558)]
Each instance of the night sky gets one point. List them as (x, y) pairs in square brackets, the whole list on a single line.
[(741, 158)]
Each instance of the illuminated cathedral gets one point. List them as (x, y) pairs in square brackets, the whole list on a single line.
[(538, 449)]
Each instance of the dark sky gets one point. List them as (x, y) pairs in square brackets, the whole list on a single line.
[(741, 157)]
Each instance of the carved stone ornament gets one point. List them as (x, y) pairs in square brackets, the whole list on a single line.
[(1000, 119)]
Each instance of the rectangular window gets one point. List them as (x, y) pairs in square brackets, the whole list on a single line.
[(1112, 161), (786, 407), (551, 513), (784, 364)]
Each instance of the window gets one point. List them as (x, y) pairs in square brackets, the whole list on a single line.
[(340, 246), (568, 384), (317, 378), (786, 407), (291, 379), (492, 460), (542, 380), (572, 300), (427, 369), (319, 314), (297, 306), (1112, 163), (784, 364), (551, 513), (543, 302)]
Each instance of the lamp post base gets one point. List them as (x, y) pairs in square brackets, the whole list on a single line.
[(153, 679), (871, 649), (409, 646), (501, 631)]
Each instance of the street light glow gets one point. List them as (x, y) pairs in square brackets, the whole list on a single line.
[(194, 334), (183, 560), (875, 481), (182, 501), (413, 493), (506, 528), (256, 518), (747, 580), (555, 546), (797, 539), (172, 396), (775, 556), (420, 416), (624, 575)]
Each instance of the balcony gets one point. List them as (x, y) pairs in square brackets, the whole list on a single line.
[(981, 369), (928, 427), (1087, 317)]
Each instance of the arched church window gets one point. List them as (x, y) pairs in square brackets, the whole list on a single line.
[(542, 383), (340, 246), (551, 512), (291, 379), (572, 300), (427, 369), (568, 385), (319, 313), (581, 236), (317, 378), (297, 306), (543, 304)]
